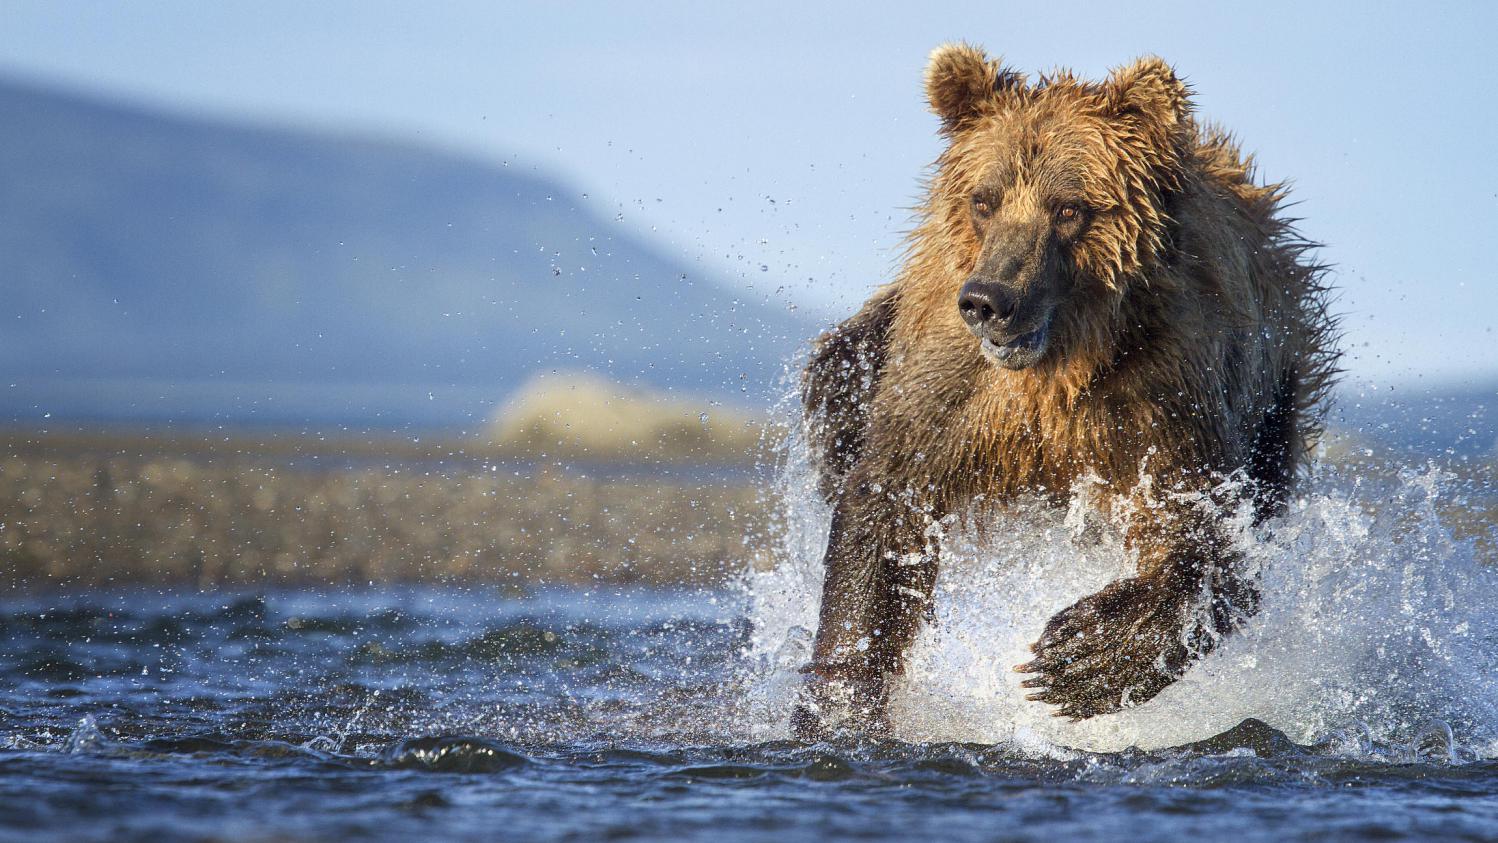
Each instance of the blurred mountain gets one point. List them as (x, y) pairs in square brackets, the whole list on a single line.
[(1442, 420), (162, 267), (158, 267)]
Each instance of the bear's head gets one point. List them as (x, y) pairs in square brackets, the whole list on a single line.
[(1051, 196)]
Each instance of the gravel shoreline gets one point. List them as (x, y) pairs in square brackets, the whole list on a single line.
[(71, 517), (205, 510)]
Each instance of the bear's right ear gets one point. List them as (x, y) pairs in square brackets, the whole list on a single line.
[(1151, 88), (960, 78)]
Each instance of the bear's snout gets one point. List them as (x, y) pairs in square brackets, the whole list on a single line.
[(1012, 331), (986, 307)]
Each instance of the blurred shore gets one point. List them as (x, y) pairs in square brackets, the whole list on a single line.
[(206, 510)]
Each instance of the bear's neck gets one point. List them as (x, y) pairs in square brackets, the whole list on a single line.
[(1041, 424)]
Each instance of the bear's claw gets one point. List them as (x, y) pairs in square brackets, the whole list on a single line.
[(1111, 650)]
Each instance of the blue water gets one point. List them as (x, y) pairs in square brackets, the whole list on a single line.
[(1360, 703), (477, 713)]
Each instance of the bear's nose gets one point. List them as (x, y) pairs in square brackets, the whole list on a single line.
[(985, 306)]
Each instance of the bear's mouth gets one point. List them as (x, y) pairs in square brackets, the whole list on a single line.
[(1019, 352)]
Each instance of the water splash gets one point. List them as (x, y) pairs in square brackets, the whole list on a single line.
[(85, 737), (1378, 626)]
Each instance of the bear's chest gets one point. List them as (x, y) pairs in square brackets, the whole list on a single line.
[(1027, 444)]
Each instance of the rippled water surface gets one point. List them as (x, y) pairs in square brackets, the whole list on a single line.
[(494, 713), (579, 715)]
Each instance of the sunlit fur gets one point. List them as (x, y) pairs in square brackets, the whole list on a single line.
[(1191, 296), (1191, 341)]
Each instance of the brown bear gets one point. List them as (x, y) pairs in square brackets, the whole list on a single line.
[(1095, 286)]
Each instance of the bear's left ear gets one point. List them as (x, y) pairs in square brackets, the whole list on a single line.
[(1150, 89), (961, 79)]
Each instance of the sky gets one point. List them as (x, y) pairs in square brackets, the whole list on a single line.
[(783, 143)]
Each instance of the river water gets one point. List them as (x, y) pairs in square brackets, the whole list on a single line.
[(1359, 704)]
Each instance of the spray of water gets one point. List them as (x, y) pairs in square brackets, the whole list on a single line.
[(1378, 625)]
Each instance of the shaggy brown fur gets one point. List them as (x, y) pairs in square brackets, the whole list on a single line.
[(1188, 340)]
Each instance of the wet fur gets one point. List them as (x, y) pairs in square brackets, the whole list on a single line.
[(1195, 343)]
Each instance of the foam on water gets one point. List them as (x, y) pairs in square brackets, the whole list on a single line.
[(1377, 625)]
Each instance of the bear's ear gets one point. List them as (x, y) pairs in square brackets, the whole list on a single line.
[(960, 78), (1150, 89)]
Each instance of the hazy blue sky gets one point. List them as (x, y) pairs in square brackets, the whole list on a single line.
[(781, 143)]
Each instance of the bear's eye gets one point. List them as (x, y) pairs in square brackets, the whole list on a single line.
[(1069, 213), (982, 208)]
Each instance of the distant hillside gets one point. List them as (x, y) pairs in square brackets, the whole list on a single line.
[(1441, 420), (155, 266)]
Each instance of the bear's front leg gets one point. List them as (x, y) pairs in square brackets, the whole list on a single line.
[(880, 573), (1123, 645)]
